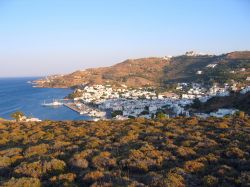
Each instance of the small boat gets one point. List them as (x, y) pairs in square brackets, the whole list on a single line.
[(82, 113), (54, 103)]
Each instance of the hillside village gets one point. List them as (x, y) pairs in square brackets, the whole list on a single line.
[(124, 103)]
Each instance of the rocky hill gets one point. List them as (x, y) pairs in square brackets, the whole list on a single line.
[(160, 71), (142, 72), (208, 68)]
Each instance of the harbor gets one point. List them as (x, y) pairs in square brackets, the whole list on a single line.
[(78, 107)]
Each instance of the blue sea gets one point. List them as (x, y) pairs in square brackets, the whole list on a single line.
[(16, 94)]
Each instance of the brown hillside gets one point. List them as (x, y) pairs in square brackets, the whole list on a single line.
[(239, 55), (159, 71), (184, 67), (139, 72)]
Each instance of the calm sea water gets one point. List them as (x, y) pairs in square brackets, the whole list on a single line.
[(17, 94)]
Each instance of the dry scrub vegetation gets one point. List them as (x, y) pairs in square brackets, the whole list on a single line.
[(139, 152)]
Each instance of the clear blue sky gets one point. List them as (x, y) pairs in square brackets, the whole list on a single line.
[(59, 36)]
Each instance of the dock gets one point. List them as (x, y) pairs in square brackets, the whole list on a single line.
[(73, 107), (84, 109)]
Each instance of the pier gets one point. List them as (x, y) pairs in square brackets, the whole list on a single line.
[(84, 109), (73, 107)]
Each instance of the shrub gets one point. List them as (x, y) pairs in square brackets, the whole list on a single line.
[(241, 114), (60, 145), (66, 179), (131, 163), (93, 143), (36, 150), (193, 166), (54, 165), (234, 152), (3, 141), (174, 179), (222, 125), (131, 135), (103, 160), (192, 121), (161, 116), (4, 161), (11, 152), (142, 160), (93, 176), (39, 168), (185, 151), (210, 180), (68, 176), (17, 115), (29, 169), (79, 162), (22, 182)]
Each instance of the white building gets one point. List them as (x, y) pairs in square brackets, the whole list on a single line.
[(211, 65), (222, 112), (199, 72)]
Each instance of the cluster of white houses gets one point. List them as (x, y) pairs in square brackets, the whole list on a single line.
[(194, 90), (125, 103)]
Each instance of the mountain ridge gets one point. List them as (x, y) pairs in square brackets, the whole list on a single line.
[(155, 71)]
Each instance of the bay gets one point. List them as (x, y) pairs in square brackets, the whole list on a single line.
[(16, 94)]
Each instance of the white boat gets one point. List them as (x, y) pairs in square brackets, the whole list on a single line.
[(54, 103), (83, 112)]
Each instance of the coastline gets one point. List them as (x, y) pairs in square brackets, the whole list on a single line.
[(19, 95)]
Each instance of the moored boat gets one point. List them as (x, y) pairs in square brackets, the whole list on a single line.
[(54, 103)]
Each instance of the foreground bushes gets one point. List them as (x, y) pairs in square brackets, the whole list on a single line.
[(39, 168), (24, 181), (139, 152)]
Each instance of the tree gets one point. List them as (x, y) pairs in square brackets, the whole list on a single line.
[(196, 103), (17, 115), (116, 113), (160, 115)]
